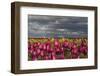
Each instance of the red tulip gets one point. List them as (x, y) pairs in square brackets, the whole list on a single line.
[(35, 45), (48, 42), (75, 56), (57, 50), (83, 49), (62, 57), (34, 58), (29, 46), (65, 44), (51, 50)]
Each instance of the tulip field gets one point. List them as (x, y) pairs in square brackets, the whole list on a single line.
[(57, 48)]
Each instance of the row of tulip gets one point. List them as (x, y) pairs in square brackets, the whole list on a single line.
[(57, 48)]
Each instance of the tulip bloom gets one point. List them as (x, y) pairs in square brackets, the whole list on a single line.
[(51, 49)]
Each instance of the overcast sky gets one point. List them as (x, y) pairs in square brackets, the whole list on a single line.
[(57, 26)]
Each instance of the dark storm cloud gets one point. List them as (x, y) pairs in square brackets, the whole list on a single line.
[(39, 25)]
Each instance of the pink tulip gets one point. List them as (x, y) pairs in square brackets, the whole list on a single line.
[(40, 46), (46, 57), (48, 47), (75, 51), (62, 49), (35, 45), (41, 53), (65, 44), (53, 53), (38, 51), (53, 57), (56, 43), (44, 47), (34, 53), (38, 43)]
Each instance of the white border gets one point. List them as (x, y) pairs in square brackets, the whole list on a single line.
[(25, 64)]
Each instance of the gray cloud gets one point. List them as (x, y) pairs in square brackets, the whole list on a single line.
[(58, 26)]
